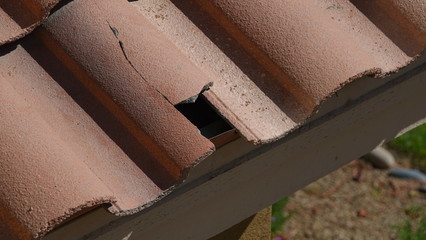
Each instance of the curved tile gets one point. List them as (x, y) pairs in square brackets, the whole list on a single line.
[(20, 17), (311, 49), (401, 21), (38, 167), (365, 34), (140, 101), (243, 91), (413, 12), (94, 130), (53, 149), (88, 99), (152, 56)]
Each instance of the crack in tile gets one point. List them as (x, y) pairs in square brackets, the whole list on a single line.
[(116, 33)]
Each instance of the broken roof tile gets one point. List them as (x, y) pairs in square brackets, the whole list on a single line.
[(50, 144), (132, 88), (87, 101), (297, 53)]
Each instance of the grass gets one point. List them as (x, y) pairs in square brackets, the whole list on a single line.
[(279, 216), (408, 232), (413, 228), (413, 144)]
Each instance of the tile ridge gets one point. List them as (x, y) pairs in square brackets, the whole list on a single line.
[(295, 46), (31, 145)]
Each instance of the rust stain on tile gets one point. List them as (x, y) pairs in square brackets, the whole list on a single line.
[(88, 99)]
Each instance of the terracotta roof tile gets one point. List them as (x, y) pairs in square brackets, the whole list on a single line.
[(20, 17), (291, 40), (88, 100), (274, 62)]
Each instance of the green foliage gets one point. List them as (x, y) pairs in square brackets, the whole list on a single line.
[(413, 144), (413, 228), (415, 211), (279, 217), (408, 232)]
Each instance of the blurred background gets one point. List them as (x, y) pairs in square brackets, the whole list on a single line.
[(379, 196)]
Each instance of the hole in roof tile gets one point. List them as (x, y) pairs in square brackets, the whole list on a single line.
[(204, 117), (246, 62)]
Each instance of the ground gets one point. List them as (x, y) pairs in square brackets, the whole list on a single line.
[(355, 202)]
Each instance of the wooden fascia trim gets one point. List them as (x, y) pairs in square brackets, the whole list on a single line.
[(241, 179)]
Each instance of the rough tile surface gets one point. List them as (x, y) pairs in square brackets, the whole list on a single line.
[(19, 17), (87, 100)]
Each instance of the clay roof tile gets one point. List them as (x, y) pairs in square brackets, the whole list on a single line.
[(90, 101)]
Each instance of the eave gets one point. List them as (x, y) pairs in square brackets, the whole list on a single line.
[(240, 179)]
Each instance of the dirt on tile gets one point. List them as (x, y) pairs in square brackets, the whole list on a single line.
[(353, 203)]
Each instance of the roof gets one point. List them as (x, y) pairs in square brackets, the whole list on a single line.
[(20, 17), (90, 99)]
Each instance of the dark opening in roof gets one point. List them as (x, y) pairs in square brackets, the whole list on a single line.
[(204, 117)]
